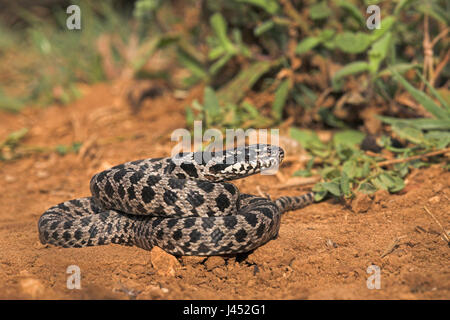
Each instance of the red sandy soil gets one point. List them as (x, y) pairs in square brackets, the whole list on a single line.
[(322, 252)]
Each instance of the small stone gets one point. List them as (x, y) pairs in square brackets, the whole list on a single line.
[(435, 199), (220, 273), (362, 203), (297, 264), (214, 262), (331, 244), (164, 264), (9, 179), (32, 287), (381, 196), (104, 166), (438, 187), (41, 174)]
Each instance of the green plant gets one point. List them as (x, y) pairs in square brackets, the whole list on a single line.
[(346, 169)]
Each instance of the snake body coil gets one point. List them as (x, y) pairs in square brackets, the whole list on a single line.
[(181, 204)]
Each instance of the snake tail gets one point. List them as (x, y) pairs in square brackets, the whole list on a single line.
[(286, 203)]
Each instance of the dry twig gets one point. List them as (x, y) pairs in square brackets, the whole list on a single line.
[(394, 245), (444, 232), (420, 156)]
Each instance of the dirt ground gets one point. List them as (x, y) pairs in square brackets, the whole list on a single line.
[(322, 252)]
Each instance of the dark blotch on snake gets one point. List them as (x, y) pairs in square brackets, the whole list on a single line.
[(230, 188), (66, 235), (54, 225), (177, 183), (217, 235), (152, 180), (118, 176), (207, 224), (170, 197), (251, 219), (240, 235), (67, 224), (190, 169), (218, 167), (121, 191), (222, 202), (131, 193), (230, 222), (148, 194), (195, 236), (171, 223), (205, 186), (177, 235), (260, 230), (202, 248), (189, 222), (195, 199)]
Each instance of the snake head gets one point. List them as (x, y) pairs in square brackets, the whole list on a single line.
[(242, 161)]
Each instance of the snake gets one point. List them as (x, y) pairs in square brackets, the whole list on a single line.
[(183, 204)]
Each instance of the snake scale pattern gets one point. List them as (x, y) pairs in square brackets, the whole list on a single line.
[(181, 204)]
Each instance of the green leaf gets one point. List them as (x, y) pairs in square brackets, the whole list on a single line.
[(350, 138), (378, 52), (62, 149), (441, 139), (410, 133), (386, 25), (189, 117), (326, 34), (219, 26), (353, 10), (271, 6), (319, 191), (191, 63), (434, 92), (424, 124), (319, 11), (333, 188), (330, 173), (367, 188), (10, 104), (327, 116), (388, 181), (345, 184), (307, 171), (281, 95), (351, 69), (399, 67), (302, 173), (365, 170), (220, 63), (400, 5), (350, 42), (264, 27), (211, 104), (235, 90), (307, 138), (307, 44), (14, 137), (350, 168), (422, 98)]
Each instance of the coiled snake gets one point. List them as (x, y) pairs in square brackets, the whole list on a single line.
[(181, 204)]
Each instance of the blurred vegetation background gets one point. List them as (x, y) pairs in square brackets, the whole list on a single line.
[(302, 65)]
